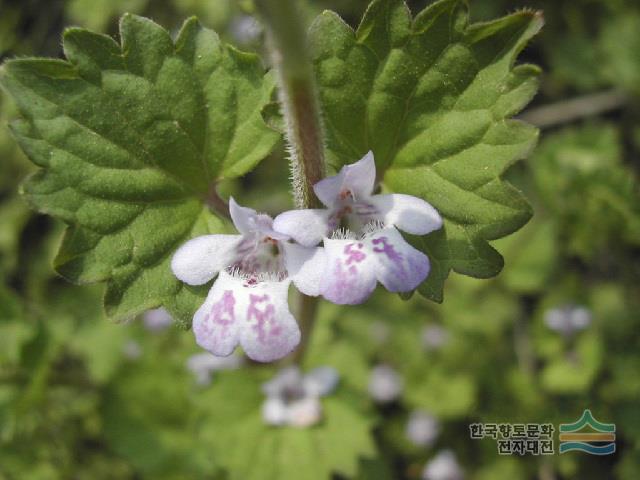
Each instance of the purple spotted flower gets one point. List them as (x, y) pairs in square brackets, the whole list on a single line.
[(247, 303), (368, 246)]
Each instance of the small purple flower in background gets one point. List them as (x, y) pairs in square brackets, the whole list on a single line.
[(203, 365), (247, 303), (293, 399), (444, 466), (156, 320), (434, 337), (568, 319), (321, 381), (370, 249), (245, 29), (385, 384), (132, 350), (422, 428)]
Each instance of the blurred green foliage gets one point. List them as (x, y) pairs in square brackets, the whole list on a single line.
[(86, 399)]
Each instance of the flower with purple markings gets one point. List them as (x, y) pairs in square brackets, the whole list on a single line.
[(367, 246), (247, 303)]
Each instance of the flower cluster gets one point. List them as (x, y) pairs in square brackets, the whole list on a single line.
[(568, 319), (293, 399), (360, 246)]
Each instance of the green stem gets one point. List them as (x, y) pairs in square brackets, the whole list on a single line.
[(522, 346), (307, 313), (216, 203), (287, 41), (567, 111)]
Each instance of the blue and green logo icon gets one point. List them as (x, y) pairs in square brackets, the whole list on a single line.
[(595, 438)]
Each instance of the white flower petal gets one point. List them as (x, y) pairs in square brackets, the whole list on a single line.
[(556, 319), (307, 227), (580, 317), (305, 266), (243, 217), (216, 324), (358, 178), (328, 189), (444, 466), (321, 381), (434, 337), (249, 222), (398, 266), (385, 384), (205, 362), (275, 411), (304, 412), (350, 276), (568, 319), (406, 212), (268, 331), (201, 258), (157, 319), (422, 428)]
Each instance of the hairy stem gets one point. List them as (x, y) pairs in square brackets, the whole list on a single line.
[(287, 41)]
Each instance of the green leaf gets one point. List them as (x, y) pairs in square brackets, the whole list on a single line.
[(149, 420), (14, 215), (333, 345), (130, 138), (574, 373), (619, 42), (14, 331), (97, 14), (581, 179), (445, 394), (249, 449), (431, 97), (531, 257)]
